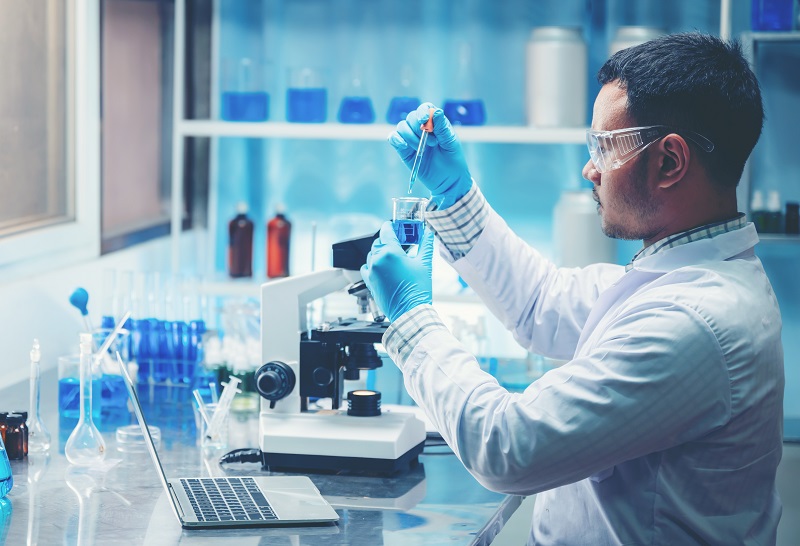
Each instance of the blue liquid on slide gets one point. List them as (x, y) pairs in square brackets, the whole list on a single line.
[(356, 110), (245, 106), (409, 232), (69, 398), (465, 112), (306, 105), (399, 107)]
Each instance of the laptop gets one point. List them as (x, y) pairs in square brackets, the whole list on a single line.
[(235, 501)]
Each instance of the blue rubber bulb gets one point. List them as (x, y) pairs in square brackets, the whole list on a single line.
[(79, 298)]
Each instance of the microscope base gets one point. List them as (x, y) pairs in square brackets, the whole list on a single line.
[(332, 463), (331, 440)]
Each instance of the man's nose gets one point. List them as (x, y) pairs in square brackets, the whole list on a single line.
[(590, 173)]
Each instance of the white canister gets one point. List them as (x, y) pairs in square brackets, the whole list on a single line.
[(626, 37), (577, 232), (557, 77)]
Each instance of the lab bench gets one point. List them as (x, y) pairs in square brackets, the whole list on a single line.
[(435, 502)]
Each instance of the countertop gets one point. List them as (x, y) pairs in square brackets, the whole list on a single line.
[(436, 502)]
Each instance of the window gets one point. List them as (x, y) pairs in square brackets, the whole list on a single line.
[(48, 103)]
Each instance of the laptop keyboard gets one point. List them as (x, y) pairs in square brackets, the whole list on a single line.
[(227, 499)]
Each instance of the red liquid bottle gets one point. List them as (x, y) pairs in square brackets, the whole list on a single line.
[(240, 244), (279, 229)]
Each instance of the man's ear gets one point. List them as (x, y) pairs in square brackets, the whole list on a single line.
[(673, 160)]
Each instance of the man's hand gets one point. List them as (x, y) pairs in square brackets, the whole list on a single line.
[(397, 281), (443, 169)]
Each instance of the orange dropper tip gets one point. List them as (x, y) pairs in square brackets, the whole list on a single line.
[(428, 125)]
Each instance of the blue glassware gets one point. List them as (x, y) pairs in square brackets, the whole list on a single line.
[(180, 353), (69, 398), (6, 478), (306, 105), (465, 112), (399, 107), (772, 14), (356, 110), (409, 232), (245, 106)]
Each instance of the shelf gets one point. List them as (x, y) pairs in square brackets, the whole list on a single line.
[(772, 36), (375, 132), (778, 238)]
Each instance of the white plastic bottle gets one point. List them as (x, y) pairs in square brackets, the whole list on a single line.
[(556, 78)]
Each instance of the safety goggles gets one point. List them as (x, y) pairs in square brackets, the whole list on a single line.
[(610, 150)]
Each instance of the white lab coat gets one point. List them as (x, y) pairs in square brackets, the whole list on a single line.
[(665, 427)]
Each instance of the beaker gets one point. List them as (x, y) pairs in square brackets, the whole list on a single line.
[(356, 106), (69, 389), (220, 441), (306, 96), (244, 91), (463, 107), (113, 400), (408, 219), (405, 100)]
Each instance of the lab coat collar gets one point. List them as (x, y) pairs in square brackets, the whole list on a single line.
[(720, 247)]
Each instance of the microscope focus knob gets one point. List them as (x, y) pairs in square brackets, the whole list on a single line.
[(274, 380)]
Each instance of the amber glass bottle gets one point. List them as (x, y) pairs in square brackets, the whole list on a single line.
[(279, 230), (240, 245)]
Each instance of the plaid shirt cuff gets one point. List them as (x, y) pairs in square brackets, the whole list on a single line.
[(459, 226), (408, 330)]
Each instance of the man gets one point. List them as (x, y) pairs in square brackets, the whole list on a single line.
[(665, 426)]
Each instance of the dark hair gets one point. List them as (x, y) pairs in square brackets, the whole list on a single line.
[(698, 82)]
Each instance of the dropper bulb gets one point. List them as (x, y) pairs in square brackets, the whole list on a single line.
[(79, 299)]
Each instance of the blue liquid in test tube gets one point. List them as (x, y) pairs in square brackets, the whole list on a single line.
[(465, 112), (356, 110), (245, 106), (409, 232), (306, 105)]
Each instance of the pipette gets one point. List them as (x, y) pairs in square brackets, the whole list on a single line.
[(223, 407), (427, 128)]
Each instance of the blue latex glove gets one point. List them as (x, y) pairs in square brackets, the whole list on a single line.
[(397, 281), (444, 169)]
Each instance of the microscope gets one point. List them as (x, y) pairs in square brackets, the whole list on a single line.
[(303, 362)]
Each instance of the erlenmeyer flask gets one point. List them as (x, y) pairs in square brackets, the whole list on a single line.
[(85, 446)]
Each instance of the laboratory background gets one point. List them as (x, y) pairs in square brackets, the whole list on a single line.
[(168, 157)]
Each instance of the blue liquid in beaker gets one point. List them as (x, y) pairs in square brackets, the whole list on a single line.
[(306, 105), (356, 110), (465, 112), (69, 398), (399, 107), (113, 392), (409, 232), (245, 106), (772, 14)]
